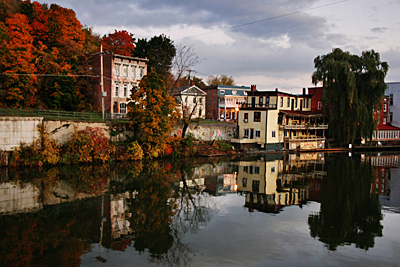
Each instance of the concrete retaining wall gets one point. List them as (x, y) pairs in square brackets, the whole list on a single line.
[(14, 130), (17, 130)]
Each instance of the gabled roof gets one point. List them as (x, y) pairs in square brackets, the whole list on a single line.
[(186, 90)]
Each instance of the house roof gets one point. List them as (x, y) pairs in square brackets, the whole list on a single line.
[(388, 127), (192, 90)]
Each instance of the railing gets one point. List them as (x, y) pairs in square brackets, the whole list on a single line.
[(303, 126), (303, 138), (54, 114)]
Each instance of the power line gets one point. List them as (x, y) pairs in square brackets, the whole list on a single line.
[(50, 75), (262, 20)]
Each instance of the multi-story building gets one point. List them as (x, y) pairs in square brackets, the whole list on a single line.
[(191, 101), (275, 120), (223, 101), (120, 75), (275, 181), (393, 93)]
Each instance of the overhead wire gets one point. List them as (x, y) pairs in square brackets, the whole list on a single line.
[(266, 19)]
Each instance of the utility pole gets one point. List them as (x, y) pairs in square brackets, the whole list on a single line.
[(101, 81)]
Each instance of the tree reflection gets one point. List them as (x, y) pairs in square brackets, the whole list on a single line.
[(160, 214), (349, 213)]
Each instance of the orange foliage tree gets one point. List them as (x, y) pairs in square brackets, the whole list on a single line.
[(16, 56), (151, 113)]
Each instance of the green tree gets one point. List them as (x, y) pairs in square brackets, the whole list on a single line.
[(353, 88), (160, 50), (151, 111), (220, 80)]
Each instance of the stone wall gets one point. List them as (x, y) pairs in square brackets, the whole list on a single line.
[(208, 133), (62, 131)]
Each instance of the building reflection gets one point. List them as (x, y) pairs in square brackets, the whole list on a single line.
[(385, 167), (272, 182)]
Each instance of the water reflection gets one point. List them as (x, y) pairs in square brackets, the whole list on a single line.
[(54, 216)]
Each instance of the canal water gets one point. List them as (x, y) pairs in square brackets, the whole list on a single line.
[(309, 209)]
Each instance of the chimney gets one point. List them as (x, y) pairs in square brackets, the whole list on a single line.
[(253, 88), (276, 89), (304, 91)]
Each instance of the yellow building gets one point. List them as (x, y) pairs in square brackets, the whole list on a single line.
[(274, 120)]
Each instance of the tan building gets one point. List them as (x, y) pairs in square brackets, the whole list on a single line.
[(275, 120), (120, 75)]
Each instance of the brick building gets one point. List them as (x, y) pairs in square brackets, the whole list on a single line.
[(120, 75)]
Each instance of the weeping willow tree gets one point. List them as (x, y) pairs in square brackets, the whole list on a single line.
[(353, 88)]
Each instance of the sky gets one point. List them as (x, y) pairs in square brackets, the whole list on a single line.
[(268, 43)]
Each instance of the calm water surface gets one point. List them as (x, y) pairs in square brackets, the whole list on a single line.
[(275, 210)]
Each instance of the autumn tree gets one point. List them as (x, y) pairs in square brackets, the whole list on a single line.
[(353, 87), (16, 56), (160, 50), (185, 59), (119, 42), (220, 80), (150, 112)]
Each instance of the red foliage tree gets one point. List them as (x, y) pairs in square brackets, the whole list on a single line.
[(120, 42)]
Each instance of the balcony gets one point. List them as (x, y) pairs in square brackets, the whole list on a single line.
[(304, 126)]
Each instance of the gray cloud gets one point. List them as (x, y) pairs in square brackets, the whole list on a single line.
[(268, 38), (379, 30)]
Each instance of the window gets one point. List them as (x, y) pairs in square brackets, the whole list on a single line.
[(288, 102), (272, 169), (246, 117), (125, 68), (319, 105), (260, 101), (117, 89), (125, 90), (390, 116), (141, 72), (200, 100), (256, 170), (273, 134), (122, 107), (222, 92), (258, 133), (295, 102), (285, 133), (194, 100), (117, 67), (384, 120), (133, 71), (384, 107), (294, 133), (307, 100), (200, 111), (244, 182), (281, 101), (245, 168), (257, 116), (391, 100), (246, 133)]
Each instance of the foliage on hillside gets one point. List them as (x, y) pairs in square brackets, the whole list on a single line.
[(44, 57)]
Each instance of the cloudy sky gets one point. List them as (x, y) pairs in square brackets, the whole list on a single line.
[(269, 43)]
